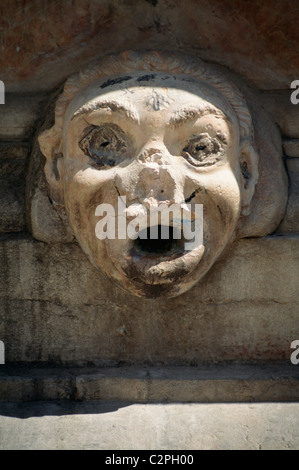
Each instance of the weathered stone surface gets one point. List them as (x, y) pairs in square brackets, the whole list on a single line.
[(204, 384), (13, 162), (13, 159), (55, 307), (47, 223), (290, 222), (12, 212), (119, 426), (43, 44), (285, 114), (19, 115), (291, 147)]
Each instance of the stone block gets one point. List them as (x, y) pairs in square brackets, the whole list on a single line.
[(56, 307), (203, 384), (12, 211), (291, 147), (13, 162), (19, 116)]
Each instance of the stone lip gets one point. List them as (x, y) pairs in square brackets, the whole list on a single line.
[(215, 383)]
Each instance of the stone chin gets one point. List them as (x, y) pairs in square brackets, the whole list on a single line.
[(154, 275)]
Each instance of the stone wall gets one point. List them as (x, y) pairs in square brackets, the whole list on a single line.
[(55, 307)]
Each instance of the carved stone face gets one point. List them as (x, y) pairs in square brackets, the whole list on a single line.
[(153, 139)]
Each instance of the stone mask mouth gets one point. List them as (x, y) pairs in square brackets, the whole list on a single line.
[(159, 241), (156, 261)]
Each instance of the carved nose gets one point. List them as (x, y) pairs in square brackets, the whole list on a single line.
[(158, 181), (154, 157), (156, 184), (153, 178)]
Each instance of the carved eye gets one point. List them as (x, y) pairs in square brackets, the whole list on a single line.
[(203, 150), (105, 145)]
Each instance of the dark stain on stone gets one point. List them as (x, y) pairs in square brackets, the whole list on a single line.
[(152, 2), (77, 216), (246, 173), (146, 78), (188, 199), (189, 80), (57, 156), (114, 81)]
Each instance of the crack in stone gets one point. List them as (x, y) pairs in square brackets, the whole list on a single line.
[(188, 199)]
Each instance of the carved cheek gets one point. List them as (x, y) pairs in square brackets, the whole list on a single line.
[(84, 191), (219, 193)]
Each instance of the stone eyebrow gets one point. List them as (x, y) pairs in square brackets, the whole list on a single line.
[(127, 109), (191, 113)]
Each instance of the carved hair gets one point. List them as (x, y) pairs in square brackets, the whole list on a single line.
[(134, 61)]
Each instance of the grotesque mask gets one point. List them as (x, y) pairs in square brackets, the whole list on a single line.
[(144, 130)]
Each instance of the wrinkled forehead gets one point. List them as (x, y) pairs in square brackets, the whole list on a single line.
[(146, 93)]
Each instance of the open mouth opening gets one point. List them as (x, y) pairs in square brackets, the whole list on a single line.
[(160, 240)]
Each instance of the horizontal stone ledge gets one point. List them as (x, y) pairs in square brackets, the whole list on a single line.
[(19, 114), (291, 148), (251, 271), (206, 384)]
